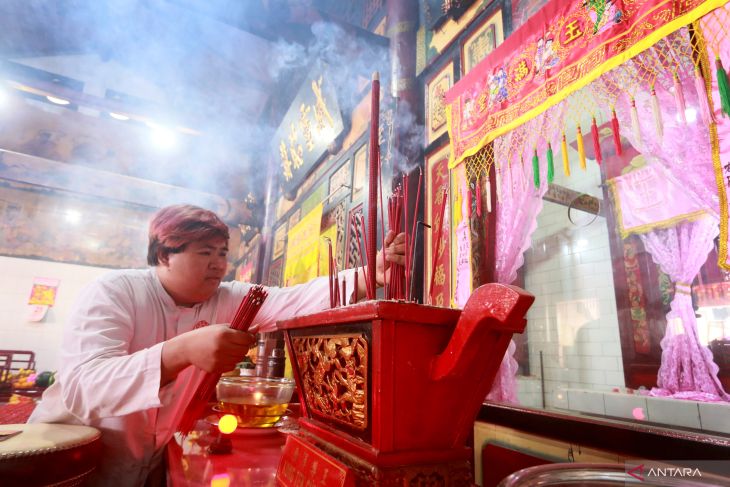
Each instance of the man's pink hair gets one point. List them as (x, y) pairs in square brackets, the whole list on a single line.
[(174, 227)]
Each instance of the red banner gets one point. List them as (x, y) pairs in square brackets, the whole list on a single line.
[(562, 48), (438, 180)]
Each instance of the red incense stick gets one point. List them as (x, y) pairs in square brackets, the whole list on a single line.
[(329, 272), (415, 218), (373, 186), (242, 320), (366, 268)]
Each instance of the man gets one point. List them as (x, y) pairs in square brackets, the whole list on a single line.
[(133, 336)]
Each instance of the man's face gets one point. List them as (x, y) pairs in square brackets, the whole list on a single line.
[(193, 275)]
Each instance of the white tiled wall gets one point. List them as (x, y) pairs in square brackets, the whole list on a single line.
[(573, 321), (16, 281), (711, 417)]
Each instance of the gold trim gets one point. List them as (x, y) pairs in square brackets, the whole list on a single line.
[(608, 65), (704, 61), (663, 224), (717, 164), (683, 288)]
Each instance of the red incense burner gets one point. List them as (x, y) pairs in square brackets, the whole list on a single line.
[(390, 390)]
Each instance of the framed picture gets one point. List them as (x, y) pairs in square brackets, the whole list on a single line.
[(437, 41), (436, 89), (481, 41), (437, 179), (354, 235), (279, 241), (31, 228), (275, 272), (359, 173), (335, 217), (340, 181)]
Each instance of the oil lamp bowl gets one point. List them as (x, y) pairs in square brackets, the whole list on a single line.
[(257, 402)]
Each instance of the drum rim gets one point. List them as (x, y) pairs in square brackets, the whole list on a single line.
[(42, 451)]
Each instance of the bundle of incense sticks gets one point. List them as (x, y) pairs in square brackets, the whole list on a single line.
[(335, 298), (359, 224), (410, 232), (245, 314), (394, 285)]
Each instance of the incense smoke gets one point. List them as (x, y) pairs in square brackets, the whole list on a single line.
[(189, 68)]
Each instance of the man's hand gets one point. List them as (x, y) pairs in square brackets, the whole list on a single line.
[(395, 252), (214, 348)]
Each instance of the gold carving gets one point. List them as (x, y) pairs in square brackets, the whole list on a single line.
[(320, 108), (285, 161), (437, 99), (334, 372), (293, 134), (306, 126), (297, 154)]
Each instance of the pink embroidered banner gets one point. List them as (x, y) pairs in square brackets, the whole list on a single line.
[(562, 48), (649, 198)]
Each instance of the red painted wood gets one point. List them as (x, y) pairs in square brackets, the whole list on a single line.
[(428, 372), (370, 310), (498, 462), (303, 462)]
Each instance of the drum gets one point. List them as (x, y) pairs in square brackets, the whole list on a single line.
[(48, 454)]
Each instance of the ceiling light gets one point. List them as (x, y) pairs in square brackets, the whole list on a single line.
[(163, 138), (73, 216), (57, 101), (118, 116)]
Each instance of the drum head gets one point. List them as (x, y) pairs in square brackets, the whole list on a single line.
[(48, 454)]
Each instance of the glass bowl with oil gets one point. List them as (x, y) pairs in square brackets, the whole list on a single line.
[(257, 402)]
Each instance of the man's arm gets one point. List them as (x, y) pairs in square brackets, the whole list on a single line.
[(214, 348), (98, 376)]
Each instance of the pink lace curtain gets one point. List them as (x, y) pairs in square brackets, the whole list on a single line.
[(684, 149), (687, 369), (517, 212)]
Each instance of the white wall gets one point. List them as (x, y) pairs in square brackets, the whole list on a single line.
[(16, 281), (574, 320)]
